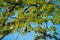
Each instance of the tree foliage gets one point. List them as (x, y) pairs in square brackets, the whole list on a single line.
[(37, 11)]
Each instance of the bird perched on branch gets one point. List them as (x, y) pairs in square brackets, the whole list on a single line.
[(10, 8)]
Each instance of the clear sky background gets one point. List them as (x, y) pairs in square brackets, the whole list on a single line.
[(28, 36)]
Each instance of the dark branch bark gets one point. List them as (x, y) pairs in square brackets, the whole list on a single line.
[(7, 32), (52, 36), (46, 25)]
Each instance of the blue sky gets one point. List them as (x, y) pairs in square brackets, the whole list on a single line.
[(28, 36)]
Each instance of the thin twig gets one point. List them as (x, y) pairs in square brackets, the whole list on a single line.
[(17, 37)]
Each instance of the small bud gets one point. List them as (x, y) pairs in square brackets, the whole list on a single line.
[(11, 27)]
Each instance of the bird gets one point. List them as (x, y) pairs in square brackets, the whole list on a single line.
[(10, 8)]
